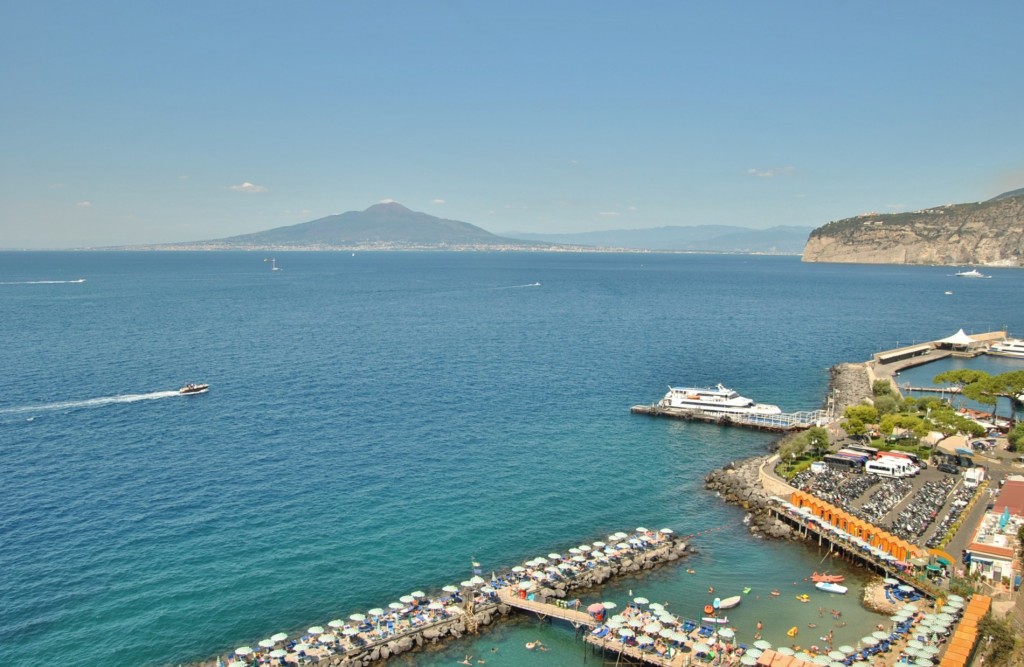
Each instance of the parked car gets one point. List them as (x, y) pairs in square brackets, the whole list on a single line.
[(949, 468)]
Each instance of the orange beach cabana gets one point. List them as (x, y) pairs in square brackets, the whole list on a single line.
[(873, 535)]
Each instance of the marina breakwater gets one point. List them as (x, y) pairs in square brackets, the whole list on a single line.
[(421, 623)]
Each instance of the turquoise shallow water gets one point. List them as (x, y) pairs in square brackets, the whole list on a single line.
[(377, 422)]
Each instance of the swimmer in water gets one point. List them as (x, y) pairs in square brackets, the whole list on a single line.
[(466, 660)]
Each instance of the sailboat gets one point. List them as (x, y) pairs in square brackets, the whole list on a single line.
[(273, 264)]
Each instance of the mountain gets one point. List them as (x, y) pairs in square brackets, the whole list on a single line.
[(699, 238), (385, 225), (988, 233)]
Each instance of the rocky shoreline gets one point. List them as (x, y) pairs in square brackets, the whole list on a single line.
[(740, 483)]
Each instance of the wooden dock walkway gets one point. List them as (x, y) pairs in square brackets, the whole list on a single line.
[(579, 619)]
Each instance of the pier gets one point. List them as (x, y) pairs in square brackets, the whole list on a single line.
[(779, 423), (419, 620)]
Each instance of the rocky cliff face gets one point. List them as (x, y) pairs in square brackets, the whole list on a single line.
[(987, 233)]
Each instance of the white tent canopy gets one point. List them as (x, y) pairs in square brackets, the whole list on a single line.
[(957, 339)]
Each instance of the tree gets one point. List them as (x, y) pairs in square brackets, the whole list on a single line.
[(886, 404), (867, 414), (817, 440), (881, 388)]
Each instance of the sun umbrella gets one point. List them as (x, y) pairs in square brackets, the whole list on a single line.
[(896, 618), (923, 662), (315, 630), (748, 659), (279, 637), (626, 632), (910, 606), (579, 559), (575, 551), (656, 606), (621, 545), (889, 581), (350, 632), (868, 641), (654, 627), (614, 624), (905, 588), (727, 633), (785, 650), (396, 606), (803, 655), (554, 556), (476, 581), (756, 652), (928, 651), (915, 643), (595, 607), (641, 600), (836, 655), (912, 652), (635, 623), (278, 653), (418, 594), (300, 647), (358, 618), (336, 623), (327, 638), (701, 647), (666, 531), (525, 585), (836, 663), (598, 544), (267, 643), (764, 645), (955, 598), (243, 650), (377, 611), (644, 639), (609, 605), (879, 635), (667, 618), (466, 584), (821, 660), (407, 599), (945, 617), (436, 606)]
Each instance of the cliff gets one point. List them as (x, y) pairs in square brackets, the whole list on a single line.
[(989, 233)]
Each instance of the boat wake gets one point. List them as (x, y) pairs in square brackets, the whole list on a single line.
[(45, 282), (518, 286), (88, 403)]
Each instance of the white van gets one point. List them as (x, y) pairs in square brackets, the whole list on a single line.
[(909, 463), (887, 467)]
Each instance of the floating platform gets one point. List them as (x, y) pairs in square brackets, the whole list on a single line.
[(779, 423)]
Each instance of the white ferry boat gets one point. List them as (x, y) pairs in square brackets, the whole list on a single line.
[(1011, 347), (715, 399)]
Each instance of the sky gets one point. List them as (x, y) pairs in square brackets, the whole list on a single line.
[(153, 122)]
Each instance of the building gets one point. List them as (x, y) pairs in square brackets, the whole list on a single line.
[(994, 550)]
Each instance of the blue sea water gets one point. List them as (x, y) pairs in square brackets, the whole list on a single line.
[(376, 422)]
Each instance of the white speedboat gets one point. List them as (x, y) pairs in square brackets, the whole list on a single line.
[(715, 399), (973, 273), (830, 587), (192, 388), (1011, 347)]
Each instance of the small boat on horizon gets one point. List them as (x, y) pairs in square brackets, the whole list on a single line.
[(193, 388)]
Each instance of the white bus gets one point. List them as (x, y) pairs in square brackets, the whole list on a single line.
[(888, 467)]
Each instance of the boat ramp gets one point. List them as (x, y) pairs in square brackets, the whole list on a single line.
[(780, 423)]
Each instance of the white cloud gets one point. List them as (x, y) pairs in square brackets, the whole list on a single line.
[(248, 187), (438, 201), (772, 172), (84, 204), (607, 214)]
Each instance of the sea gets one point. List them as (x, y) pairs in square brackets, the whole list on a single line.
[(377, 422)]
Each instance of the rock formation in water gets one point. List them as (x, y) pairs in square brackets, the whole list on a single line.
[(989, 233)]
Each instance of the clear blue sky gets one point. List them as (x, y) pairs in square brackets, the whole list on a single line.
[(146, 122)]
